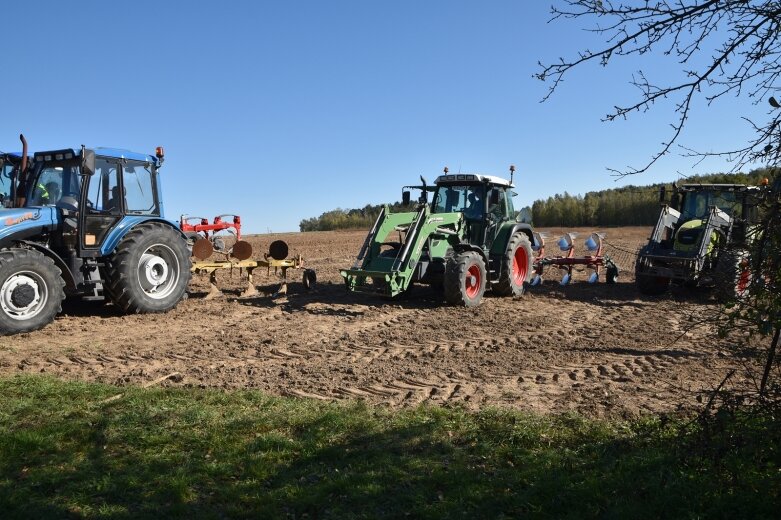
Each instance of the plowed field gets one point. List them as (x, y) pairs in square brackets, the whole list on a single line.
[(603, 350)]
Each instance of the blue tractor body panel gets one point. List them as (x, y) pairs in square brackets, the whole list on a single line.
[(22, 223)]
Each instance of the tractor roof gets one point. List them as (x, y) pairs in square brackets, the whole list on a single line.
[(113, 153), (466, 178), (717, 187)]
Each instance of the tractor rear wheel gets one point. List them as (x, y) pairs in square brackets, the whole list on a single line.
[(516, 266), (732, 275), (465, 279), (31, 290), (149, 269)]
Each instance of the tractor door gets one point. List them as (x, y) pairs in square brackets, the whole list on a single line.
[(500, 209), (102, 207)]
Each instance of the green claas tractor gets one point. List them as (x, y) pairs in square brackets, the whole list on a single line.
[(701, 239), (466, 240)]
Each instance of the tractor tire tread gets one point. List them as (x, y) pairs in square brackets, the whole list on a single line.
[(119, 267), (56, 295)]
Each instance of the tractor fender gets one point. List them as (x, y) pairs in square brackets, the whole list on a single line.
[(462, 248), (499, 245), (70, 282), (128, 223)]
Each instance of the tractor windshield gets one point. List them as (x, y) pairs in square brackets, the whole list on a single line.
[(697, 204), (53, 181), (467, 198)]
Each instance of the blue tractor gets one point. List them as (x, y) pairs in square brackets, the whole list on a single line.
[(89, 223)]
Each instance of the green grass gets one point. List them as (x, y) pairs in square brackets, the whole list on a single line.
[(208, 454)]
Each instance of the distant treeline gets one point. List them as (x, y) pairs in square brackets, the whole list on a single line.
[(347, 218), (626, 206)]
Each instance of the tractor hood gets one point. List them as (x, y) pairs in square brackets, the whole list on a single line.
[(21, 223)]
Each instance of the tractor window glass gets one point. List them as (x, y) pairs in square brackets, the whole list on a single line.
[(139, 182), (103, 194), (52, 183), (451, 198), (698, 204), (5, 184)]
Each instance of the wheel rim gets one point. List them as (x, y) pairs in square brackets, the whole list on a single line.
[(23, 295), (520, 266), (472, 282), (158, 271)]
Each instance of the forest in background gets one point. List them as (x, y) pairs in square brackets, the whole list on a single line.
[(625, 206)]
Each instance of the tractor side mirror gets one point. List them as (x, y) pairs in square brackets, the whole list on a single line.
[(675, 201), (662, 194), (405, 198), (88, 162)]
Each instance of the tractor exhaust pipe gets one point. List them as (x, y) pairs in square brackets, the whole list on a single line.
[(21, 180)]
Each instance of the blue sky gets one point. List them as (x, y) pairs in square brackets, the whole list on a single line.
[(279, 111)]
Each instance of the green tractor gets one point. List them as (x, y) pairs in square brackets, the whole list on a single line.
[(701, 239), (466, 240)]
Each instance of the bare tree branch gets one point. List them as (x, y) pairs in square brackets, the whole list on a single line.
[(728, 46)]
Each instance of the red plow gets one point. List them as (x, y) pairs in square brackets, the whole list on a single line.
[(594, 261)]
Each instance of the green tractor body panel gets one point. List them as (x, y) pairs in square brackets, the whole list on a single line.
[(388, 267), (689, 235)]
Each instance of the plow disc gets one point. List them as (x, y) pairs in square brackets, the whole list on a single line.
[(205, 243)]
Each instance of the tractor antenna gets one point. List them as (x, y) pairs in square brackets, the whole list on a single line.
[(512, 172)]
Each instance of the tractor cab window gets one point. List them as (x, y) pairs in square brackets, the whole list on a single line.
[(504, 208), (451, 198), (103, 195), (53, 181), (697, 204), (138, 180), (6, 170)]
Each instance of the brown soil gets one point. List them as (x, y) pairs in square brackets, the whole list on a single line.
[(603, 350)]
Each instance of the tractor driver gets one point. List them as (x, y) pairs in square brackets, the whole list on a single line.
[(474, 207), (48, 193)]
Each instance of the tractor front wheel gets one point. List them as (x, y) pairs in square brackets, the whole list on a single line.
[(516, 266), (465, 279), (149, 270), (31, 290), (649, 284)]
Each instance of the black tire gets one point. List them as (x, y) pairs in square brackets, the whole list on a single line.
[(309, 279), (465, 279), (649, 284), (161, 253), (611, 274), (31, 290), (731, 275), (516, 266)]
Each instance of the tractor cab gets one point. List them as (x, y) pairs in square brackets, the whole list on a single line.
[(94, 194), (484, 200)]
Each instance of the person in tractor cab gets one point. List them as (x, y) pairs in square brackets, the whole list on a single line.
[(115, 202), (48, 193), (474, 207)]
